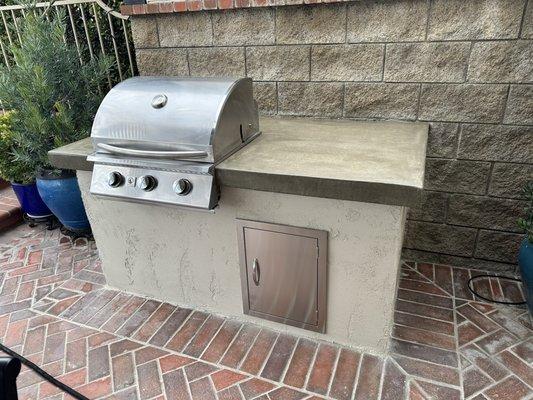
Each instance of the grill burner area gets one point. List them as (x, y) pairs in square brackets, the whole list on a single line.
[(158, 139)]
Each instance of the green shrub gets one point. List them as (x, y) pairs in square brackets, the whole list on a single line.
[(11, 169), (54, 96), (526, 222)]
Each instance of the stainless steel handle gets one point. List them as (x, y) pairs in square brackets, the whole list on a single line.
[(176, 154), (256, 272)]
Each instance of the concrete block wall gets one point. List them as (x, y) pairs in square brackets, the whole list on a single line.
[(464, 66)]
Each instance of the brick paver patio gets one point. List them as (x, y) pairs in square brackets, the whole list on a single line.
[(10, 212), (57, 311)]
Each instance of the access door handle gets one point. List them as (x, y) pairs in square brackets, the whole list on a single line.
[(256, 272)]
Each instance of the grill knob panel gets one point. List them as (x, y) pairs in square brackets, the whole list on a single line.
[(182, 187), (115, 179), (147, 183)]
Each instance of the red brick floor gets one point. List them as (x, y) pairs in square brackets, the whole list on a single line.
[(56, 310), (10, 212)]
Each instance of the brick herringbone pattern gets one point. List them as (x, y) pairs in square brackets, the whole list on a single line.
[(476, 349), (56, 310)]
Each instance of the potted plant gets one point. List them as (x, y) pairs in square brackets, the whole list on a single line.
[(525, 255), (20, 172), (55, 98)]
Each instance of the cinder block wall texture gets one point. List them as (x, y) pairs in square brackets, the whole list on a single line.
[(464, 66)]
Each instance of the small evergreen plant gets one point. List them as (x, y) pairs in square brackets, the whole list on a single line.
[(10, 170), (54, 95), (526, 222)]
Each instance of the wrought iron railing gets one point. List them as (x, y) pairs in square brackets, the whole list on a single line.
[(91, 25)]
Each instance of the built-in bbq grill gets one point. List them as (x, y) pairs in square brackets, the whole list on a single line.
[(158, 139)]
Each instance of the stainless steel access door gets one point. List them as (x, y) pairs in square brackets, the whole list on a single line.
[(283, 273)]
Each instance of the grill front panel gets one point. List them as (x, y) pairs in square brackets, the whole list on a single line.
[(202, 193)]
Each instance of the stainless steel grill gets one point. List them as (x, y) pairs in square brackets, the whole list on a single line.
[(158, 139)]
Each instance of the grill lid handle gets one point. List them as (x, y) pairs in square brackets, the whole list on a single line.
[(174, 154)]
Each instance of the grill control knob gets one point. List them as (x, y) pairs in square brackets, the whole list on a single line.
[(115, 179), (147, 183), (182, 187)]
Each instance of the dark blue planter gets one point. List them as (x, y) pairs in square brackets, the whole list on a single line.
[(525, 261), (62, 195), (30, 200)]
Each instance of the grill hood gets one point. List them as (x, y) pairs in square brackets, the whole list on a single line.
[(201, 120), (157, 139)]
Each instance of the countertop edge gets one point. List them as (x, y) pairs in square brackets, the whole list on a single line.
[(368, 192), (69, 161), (72, 156)]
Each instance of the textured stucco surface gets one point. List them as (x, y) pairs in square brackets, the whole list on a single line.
[(190, 258)]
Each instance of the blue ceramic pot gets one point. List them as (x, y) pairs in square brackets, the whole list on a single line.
[(525, 261), (30, 200), (62, 195)]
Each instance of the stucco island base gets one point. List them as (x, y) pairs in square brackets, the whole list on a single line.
[(190, 258)]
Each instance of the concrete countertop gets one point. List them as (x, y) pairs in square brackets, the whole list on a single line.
[(72, 156), (374, 162)]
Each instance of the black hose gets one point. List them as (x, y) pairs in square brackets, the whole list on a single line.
[(43, 373), (510, 303)]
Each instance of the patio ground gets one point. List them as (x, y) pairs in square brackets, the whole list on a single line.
[(57, 311), (10, 212)]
